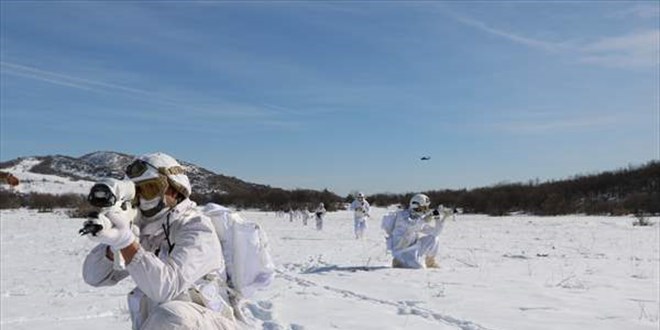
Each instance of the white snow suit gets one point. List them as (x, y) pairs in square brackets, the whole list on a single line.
[(305, 217), (414, 238), (181, 283), (319, 212), (360, 216)]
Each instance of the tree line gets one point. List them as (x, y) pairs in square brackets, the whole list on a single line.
[(273, 199), (624, 191)]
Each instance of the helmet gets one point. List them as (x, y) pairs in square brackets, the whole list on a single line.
[(360, 195), (160, 170), (420, 203)]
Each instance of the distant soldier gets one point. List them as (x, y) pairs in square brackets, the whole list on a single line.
[(305, 216), (9, 179), (320, 212), (361, 208)]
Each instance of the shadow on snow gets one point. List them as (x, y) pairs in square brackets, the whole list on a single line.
[(335, 268)]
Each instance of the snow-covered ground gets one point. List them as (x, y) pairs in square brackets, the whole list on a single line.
[(44, 183), (520, 272)]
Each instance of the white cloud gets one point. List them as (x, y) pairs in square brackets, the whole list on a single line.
[(530, 42), (639, 49), (195, 108), (48, 79), (640, 11), (67, 80)]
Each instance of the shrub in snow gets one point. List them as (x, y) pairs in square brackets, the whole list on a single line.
[(9, 200), (642, 220)]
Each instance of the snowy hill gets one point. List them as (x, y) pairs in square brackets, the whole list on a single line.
[(32, 181), (63, 174)]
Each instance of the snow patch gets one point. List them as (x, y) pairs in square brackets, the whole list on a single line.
[(44, 183)]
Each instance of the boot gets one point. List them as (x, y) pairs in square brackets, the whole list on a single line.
[(431, 262), (396, 263)]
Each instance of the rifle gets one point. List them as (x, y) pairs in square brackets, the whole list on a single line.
[(110, 195)]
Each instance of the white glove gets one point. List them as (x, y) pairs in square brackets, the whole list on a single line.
[(116, 230)]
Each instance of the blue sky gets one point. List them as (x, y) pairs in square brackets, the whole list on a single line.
[(338, 95)]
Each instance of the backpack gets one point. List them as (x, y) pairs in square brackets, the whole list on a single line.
[(245, 249), (387, 224)]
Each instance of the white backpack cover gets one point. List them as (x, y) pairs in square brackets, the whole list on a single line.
[(246, 243), (387, 224)]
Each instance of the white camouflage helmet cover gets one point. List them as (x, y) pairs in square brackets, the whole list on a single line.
[(420, 200), (162, 160)]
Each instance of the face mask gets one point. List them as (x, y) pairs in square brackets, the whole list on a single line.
[(150, 208), (418, 212), (148, 204)]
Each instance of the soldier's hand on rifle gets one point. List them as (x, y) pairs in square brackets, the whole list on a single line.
[(115, 230)]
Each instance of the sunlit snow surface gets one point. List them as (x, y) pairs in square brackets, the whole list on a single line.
[(521, 272)]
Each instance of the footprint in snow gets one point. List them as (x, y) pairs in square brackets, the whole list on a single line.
[(261, 310)]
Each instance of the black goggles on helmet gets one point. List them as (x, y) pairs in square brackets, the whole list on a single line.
[(101, 196), (139, 166)]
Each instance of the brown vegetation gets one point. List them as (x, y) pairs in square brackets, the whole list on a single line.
[(626, 191)]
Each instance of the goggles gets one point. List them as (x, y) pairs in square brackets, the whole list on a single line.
[(152, 188), (139, 167), (419, 208), (101, 196)]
